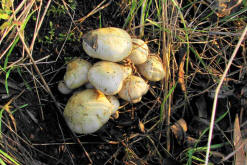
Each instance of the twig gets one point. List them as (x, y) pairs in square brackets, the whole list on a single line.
[(217, 93)]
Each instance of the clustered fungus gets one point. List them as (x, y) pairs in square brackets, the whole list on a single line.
[(105, 81)]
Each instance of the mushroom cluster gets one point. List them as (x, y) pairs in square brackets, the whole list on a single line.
[(123, 72)]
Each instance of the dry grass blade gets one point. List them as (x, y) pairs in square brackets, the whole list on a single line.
[(240, 154), (95, 10), (166, 64), (181, 74), (7, 108)]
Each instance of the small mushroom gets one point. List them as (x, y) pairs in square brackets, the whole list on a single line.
[(110, 44), (133, 89), (152, 69), (108, 76), (76, 73), (139, 51), (87, 111), (63, 88), (115, 102)]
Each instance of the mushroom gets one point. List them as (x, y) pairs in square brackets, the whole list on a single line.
[(110, 44), (76, 73), (152, 69), (139, 52), (115, 102), (108, 76), (133, 89), (63, 88), (87, 111)]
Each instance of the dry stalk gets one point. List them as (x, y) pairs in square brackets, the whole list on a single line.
[(95, 10)]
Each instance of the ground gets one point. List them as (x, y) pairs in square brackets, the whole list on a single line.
[(171, 125)]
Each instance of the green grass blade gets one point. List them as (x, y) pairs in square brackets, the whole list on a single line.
[(100, 20), (6, 80), (25, 82), (1, 115), (132, 10), (198, 57), (164, 101), (2, 162), (9, 52), (135, 5), (8, 157), (22, 106)]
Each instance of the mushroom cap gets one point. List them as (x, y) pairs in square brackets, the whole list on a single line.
[(76, 73), (139, 51), (110, 44), (107, 76), (152, 69), (127, 71), (87, 111), (133, 89), (63, 88), (115, 102), (136, 100)]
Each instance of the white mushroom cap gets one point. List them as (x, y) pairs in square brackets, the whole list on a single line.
[(63, 88), (136, 100), (110, 44), (133, 89), (139, 51), (127, 71), (152, 69), (107, 77), (76, 73), (115, 102), (87, 111)]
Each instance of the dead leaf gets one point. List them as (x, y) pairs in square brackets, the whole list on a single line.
[(190, 141), (7, 108), (179, 129), (141, 127), (224, 7), (238, 141), (181, 74)]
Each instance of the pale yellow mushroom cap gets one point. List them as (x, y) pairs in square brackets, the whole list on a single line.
[(63, 88), (139, 51), (87, 111), (76, 73), (110, 44), (107, 76), (152, 69), (133, 89)]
